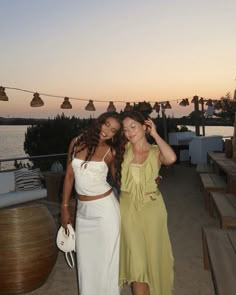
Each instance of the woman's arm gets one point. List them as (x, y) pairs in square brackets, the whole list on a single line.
[(67, 187), (166, 155)]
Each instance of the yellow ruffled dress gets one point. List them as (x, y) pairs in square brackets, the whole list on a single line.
[(145, 249)]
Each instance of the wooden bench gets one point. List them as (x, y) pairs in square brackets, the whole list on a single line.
[(211, 183), (204, 168), (231, 182), (225, 205), (219, 254)]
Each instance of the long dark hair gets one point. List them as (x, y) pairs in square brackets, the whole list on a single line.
[(90, 138)]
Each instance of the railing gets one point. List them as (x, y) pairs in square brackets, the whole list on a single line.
[(31, 158)]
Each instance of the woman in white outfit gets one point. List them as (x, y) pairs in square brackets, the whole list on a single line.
[(90, 157)]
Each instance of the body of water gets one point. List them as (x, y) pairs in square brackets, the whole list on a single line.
[(12, 140)]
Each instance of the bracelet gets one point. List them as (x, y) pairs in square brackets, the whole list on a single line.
[(65, 205)]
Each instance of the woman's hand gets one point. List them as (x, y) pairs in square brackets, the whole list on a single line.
[(65, 216), (165, 155), (151, 127), (158, 179)]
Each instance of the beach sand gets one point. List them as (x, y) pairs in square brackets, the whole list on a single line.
[(186, 216)]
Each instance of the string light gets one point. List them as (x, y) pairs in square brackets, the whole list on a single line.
[(37, 101)]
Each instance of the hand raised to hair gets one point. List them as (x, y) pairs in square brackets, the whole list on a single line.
[(151, 127)]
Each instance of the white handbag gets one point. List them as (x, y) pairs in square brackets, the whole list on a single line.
[(66, 243)]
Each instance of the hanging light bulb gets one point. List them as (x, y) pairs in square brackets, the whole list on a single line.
[(144, 106), (66, 104), (36, 101), (111, 107), (167, 105), (90, 106), (128, 107), (3, 96), (156, 107), (186, 102), (183, 103)]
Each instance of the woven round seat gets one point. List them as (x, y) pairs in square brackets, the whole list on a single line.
[(27, 247)]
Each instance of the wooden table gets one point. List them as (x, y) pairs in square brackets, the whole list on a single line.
[(227, 165), (219, 251), (224, 165)]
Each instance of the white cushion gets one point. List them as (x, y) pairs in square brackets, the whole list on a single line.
[(7, 182), (19, 197), (26, 180)]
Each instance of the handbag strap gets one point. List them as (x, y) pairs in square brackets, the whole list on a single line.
[(70, 259)]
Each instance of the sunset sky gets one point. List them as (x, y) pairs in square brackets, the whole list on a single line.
[(110, 50)]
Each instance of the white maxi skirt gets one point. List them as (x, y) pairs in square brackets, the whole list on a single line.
[(97, 246)]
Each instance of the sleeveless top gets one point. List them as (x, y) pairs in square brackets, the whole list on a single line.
[(139, 179), (91, 176)]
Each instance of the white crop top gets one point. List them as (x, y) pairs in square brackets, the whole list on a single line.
[(90, 177)]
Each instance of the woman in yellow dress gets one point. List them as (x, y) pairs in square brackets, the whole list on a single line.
[(146, 260)]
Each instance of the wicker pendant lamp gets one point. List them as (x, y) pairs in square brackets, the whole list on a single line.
[(36, 101), (167, 105), (111, 107), (128, 107), (186, 102), (3, 96), (156, 107), (144, 106), (66, 104), (90, 106), (183, 103)]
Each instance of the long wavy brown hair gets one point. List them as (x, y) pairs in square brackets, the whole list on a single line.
[(90, 138)]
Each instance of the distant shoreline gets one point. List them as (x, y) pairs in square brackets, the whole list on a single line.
[(180, 121), (21, 121)]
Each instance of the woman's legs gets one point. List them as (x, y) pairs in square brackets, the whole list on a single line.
[(140, 288)]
